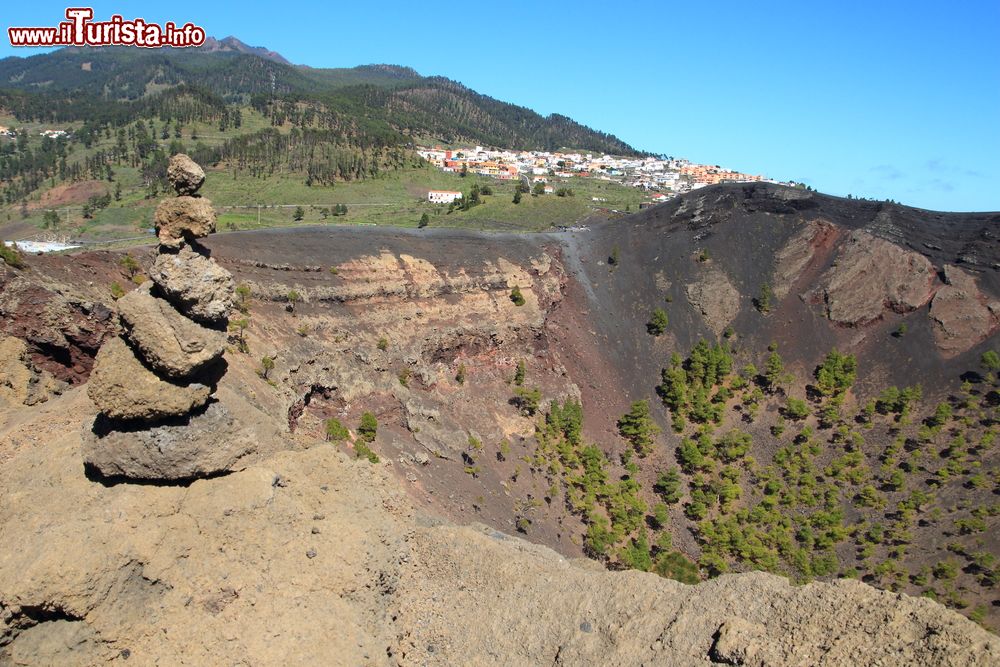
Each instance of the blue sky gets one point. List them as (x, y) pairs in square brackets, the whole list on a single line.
[(887, 99)]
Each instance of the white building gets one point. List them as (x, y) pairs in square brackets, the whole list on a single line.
[(443, 196)]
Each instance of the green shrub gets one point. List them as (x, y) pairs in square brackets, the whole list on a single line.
[(668, 486), (335, 431), (129, 265), (635, 555), (11, 256), (638, 428), (368, 427), (516, 296), (677, 566), (661, 515), (266, 366), (527, 400), (796, 409), (763, 300), (362, 450), (519, 373), (658, 322), (243, 292), (837, 373)]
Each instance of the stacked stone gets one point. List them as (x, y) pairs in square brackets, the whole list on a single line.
[(153, 385)]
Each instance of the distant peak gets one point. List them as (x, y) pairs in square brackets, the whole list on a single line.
[(397, 71), (233, 44)]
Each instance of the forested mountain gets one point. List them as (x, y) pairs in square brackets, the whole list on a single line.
[(119, 84)]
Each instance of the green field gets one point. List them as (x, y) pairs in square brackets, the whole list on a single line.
[(246, 202), (395, 199)]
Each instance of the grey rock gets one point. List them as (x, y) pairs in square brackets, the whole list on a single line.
[(169, 342), (195, 284), (184, 174), (716, 299), (217, 439), (183, 218), (123, 388)]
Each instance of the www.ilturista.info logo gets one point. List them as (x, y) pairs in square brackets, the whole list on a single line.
[(79, 30)]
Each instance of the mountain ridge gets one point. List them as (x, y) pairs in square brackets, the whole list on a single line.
[(393, 95)]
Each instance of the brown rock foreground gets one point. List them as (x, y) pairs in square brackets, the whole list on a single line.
[(182, 219), (168, 341), (185, 174), (195, 285), (310, 558), (223, 436), (122, 388)]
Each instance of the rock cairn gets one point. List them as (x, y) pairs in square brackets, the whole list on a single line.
[(154, 384)]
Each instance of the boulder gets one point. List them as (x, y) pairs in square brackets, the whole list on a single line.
[(185, 174), (197, 286), (220, 438), (715, 297), (183, 218), (169, 342), (439, 434), (123, 388), (20, 382), (961, 314), (871, 275)]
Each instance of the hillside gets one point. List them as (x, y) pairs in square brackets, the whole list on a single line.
[(390, 98), (273, 136), (821, 386)]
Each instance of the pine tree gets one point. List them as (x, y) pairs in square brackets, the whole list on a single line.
[(668, 486), (519, 373), (368, 427), (773, 370), (335, 431), (763, 301), (658, 322), (638, 428)]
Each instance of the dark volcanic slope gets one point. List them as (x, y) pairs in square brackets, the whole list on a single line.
[(743, 228)]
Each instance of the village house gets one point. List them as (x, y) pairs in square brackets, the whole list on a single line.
[(443, 196), (658, 174)]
